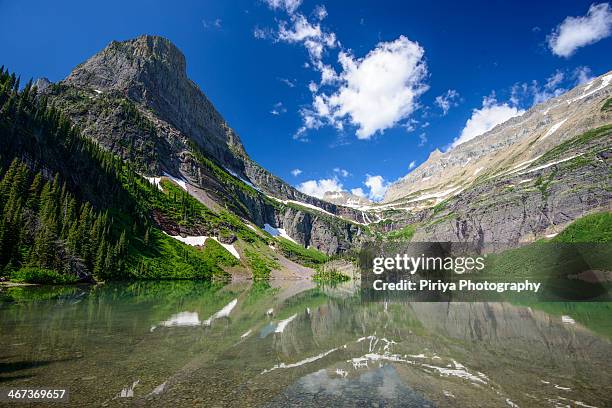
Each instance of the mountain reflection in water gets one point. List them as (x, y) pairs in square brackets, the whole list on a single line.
[(192, 343)]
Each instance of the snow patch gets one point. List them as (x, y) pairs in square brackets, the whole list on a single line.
[(511, 404), (553, 129), (605, 81), (159, 389), (182, 319), (436, 194), (589, 85), (230, 248), (550, 164), (191, 240), (199, 240), (301, 362), (246, 334), (457, 372), (97, 91), (128, 392), (278, 232), (340, 372), (155, 181), (247, 182), (181, 182)]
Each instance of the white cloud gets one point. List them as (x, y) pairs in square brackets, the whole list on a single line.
[(260, 33), (320, 12), (374, 93), (582, 75), (317, 188), (422, 139), (377, 91), (358, 192), (290, 83), (378, 187), (342, 172), (310, 35), (290, 6), (300, 30), (278, 109), (412, 165), (447, 100), (296, 172), (551, 88), (213, 24), (527, 94), (486, 118), (576, 32)]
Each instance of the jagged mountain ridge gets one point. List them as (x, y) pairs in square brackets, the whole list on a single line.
[(135, 99), (527, 178), (132, 115), (151, 71), (513, 142)]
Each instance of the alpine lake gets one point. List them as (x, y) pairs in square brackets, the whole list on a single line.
[(293, 343)]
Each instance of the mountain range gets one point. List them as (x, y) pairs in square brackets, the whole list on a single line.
[(525, 179)]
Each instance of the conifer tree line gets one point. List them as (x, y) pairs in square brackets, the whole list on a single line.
[(70, 206), (43, 225), (56, 188), (32, 129)]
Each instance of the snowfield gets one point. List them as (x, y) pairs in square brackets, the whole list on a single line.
[(181, 182), (278, 232), (605, 81), (155, 181), (553, 129), (201, 239)]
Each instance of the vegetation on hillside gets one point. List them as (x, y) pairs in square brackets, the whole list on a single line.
[(71, 207), (260, 264), (403, 234), (306, 256), (330, 276), (590, 228)]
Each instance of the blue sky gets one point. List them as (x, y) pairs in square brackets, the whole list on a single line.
[(403, 78)]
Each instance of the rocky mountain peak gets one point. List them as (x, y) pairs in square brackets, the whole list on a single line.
[(519, 140), (122, 65), (434, 155), (151, 71)]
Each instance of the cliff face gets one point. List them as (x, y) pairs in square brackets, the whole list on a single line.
[(517, 140), (151, 71), (135, 99), (525, 179)]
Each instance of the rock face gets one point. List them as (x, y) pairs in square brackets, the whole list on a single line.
[(135, 99), (517, 140), (151, 71), (526, 178)]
